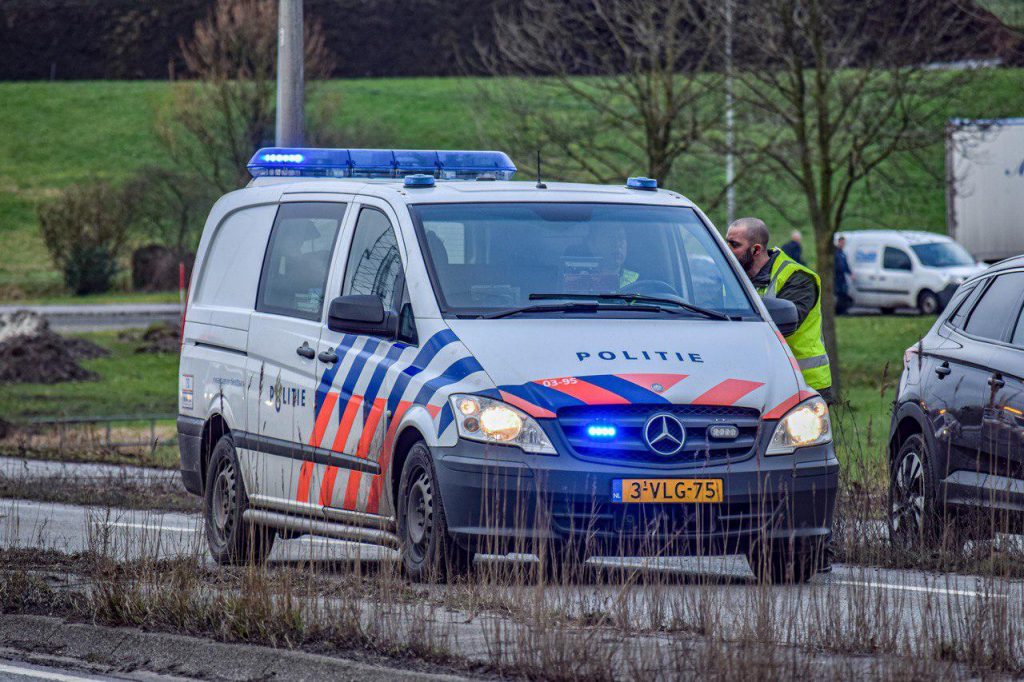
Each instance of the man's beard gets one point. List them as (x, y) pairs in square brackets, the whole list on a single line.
[(747, 259)]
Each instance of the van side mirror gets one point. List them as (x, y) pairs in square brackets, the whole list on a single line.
[(361, 314), (783, 314)]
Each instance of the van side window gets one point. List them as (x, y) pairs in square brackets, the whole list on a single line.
[(896, 259), (990, 317), (298, 258), (374, 264)]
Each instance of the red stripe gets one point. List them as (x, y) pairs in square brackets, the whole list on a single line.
[(327, 486), (583, 391), (526, 406), (666, 381), (373, 499), (345, 427), (323, 418), (305, 473), (370, 428), (789, 403), (727, 392)]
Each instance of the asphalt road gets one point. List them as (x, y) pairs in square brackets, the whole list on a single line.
[(100, 317)]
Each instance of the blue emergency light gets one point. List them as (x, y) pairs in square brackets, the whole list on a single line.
[(601, 431), (380, 163), (649, 184)]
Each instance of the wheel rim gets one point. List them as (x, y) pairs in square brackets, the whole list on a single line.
[(419, 514), (929, 305), (222, 504), (906, 513)]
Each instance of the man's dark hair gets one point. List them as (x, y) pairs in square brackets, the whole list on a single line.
[(755, 228)]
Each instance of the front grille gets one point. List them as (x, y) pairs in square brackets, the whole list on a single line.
[(629, 420)]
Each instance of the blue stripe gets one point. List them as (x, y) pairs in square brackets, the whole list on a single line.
[(354, 372), (327, 378), (430, 349), (457, 371), (447, 416), (625, 389), (377, 380), (548, 398)]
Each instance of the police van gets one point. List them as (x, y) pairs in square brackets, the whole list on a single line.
[(409, 348)]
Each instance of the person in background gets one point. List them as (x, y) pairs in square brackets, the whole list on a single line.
[(793, 248), (776, 275), (841, 270)]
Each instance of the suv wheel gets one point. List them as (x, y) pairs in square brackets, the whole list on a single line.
[(928, 303), (231, 538), (428, 551), (913, 519)]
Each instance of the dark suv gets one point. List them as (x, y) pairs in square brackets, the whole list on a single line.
[(956, 444)]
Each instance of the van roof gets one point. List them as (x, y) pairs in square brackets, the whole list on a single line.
[(460, 191), (909, 236)]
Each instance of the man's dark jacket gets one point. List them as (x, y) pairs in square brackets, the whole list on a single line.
[(800, 288), (793, 249)]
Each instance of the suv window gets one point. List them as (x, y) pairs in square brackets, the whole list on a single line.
[(989, 318), (298, 259), (962, 302), (896, 259), (374, 264), (1018, 331)]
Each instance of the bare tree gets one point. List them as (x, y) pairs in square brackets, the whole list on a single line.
[(839, 92), (607, 88), (214, 124)]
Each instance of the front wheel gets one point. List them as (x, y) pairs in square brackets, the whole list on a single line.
[(428, 551), (928, 303), (915, 521), (232, 539)]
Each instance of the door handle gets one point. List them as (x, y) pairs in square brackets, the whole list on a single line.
[(328, 356), (943, 370), (996, 381), (305, 351)]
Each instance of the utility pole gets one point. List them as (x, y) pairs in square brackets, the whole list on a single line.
[(290, 128), (730, 131)]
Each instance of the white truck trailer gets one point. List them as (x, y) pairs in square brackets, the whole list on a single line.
[(985, 186)]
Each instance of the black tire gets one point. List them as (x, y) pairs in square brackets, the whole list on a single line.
[(928, 303), (786, 562), (887, 311), (915, 517), (232, 539), (428, 551)]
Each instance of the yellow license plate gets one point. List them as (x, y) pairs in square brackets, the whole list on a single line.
[(690, 490)]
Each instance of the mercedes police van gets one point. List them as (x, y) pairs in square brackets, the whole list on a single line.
[(409, 348)]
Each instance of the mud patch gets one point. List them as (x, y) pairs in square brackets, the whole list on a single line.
[(32, 353)]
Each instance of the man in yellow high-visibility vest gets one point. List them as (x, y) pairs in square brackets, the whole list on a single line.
[(776, 275)]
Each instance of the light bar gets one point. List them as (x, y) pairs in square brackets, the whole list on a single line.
[(649, 184), (380, 163), (601, 431)]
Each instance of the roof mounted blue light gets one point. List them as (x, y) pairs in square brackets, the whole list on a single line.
[(649, 184), (380, 163), (419, 180)]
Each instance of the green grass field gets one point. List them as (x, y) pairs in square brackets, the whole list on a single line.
[(55, 134)]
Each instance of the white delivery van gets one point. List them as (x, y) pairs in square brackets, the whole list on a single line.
[(408, 348), (905, 269)]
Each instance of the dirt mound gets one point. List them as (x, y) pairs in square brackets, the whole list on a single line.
[(157, 338), (30, 352)]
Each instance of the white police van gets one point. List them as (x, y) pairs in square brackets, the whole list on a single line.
[(408, 348)]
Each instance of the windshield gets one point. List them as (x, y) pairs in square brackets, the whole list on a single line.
[(942, 254), (491, 257)]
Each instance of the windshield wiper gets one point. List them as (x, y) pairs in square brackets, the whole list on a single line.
[(635, 298), (591, 307)]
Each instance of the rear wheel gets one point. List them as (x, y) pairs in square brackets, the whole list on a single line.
[(232, 539), (428, 550), (928, 303)]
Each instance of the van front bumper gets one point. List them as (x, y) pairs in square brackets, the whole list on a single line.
[(500, 499)]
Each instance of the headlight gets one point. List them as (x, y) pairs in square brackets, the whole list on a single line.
[(492, 421), (806, 424)]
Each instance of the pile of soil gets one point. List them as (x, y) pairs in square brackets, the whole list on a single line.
[(157, 338), (30, 352)]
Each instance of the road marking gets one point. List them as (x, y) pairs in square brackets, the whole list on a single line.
[(41, 674), (150, 526), (916, 588)]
